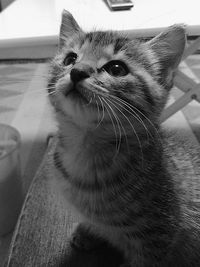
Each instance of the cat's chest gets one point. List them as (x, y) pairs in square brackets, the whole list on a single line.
[(96, 190), (79, 194), (75, 180), (84, 201)]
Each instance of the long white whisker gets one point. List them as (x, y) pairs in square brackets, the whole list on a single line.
[(41, 90), (133, 113), (136, 109), (52, 93), (98, 112), (131, 107), (100, 87), (114, 128), (138, 139), (121, 125), (103, 113), (156, 130)]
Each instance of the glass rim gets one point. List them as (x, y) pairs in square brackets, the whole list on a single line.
[(18, 139)]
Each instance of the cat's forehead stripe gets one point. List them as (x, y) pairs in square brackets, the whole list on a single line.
[(106, 39), (105, 45), (120, 44)]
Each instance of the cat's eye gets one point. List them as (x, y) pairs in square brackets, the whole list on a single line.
[(70, 59), (116, 68)]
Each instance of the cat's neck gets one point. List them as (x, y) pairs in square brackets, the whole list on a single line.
[(93, 150)]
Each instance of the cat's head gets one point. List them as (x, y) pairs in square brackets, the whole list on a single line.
[(99, 75)]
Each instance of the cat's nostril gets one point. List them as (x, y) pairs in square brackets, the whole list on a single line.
[(77, 75)]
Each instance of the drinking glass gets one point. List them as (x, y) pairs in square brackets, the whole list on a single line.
[(11, 196)]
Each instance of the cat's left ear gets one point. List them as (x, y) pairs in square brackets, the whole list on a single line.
[(168, 47), (68, 27)]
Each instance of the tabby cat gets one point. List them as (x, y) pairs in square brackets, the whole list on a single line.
[(108, 92)]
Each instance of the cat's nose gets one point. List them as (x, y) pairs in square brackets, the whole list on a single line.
[(77, 75)]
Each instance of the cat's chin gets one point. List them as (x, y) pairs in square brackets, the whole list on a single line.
[(77, 103), (74, 108), (77, 95)]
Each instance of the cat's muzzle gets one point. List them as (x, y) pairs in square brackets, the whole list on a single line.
[(77, 91)]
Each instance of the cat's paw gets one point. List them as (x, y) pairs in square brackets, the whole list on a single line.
[(83, 239)]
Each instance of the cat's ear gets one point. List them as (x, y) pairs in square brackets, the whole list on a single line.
[(68, 27), (168, 47)]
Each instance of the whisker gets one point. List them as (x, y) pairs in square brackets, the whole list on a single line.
[(114, 128), (134, 114), (156, 130), (107, 96), (131, 107), (51, 84), (90, 100), (103, 113), (52, 93), (98, 112), (41, 90), (125, 134), (121, 125), (140, 112), (99, 87), (137, 137)]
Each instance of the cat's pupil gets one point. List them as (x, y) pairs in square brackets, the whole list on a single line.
[(116, 68), (70, 59)]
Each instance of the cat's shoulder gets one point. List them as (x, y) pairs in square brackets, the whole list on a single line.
[(182, 157)]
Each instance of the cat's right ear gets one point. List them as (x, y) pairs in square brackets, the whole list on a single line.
[(68, 27)]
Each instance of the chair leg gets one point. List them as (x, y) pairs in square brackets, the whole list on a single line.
[(176, 106)]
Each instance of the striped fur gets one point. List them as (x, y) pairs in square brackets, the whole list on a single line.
[(109, 157)]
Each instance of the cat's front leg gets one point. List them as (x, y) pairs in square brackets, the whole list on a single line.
[(86, 238)]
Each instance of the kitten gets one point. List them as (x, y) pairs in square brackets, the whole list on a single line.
[(108, 92)]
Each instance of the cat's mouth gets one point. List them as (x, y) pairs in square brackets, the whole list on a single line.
[(73, 92), (78, 92)]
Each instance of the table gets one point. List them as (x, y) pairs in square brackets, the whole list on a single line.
[(29, 28)]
